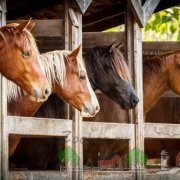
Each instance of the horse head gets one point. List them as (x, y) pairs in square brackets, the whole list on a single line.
[(19, 60), (76, 88), (109, 73)]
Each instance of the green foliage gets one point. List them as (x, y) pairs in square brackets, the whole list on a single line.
[(163, 26)]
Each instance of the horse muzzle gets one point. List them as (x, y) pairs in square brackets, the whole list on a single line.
[(130, 104), (40, 96), (90, 110)]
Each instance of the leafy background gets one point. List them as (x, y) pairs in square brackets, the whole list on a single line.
[(162, 26)]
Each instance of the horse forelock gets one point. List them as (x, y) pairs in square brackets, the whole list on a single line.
[(119, 64), (94, 58)]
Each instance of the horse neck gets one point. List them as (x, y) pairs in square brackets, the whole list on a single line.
[(153, 88), (23, 106)]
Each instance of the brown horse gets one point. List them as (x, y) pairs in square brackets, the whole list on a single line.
[(68, 78), (19, 59)]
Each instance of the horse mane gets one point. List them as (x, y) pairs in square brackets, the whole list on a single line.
[(94, 59), (157, 63), (54, 66)]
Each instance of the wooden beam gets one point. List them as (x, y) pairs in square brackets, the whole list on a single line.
[(148, 8), (162, 130), (107, 130), (98, 19), (105, 24), (92, 39), (39, 175), (48, 28), (4, 163), (28, 7), (138, 111), (137, 11), (38, 126)]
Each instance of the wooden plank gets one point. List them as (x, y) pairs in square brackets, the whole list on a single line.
[(107, 130), (162, 130), (104, 19), (4, 131), (38, 175), (148, 8), (38, 126), (159, 47), (96, 174), (48, 28), (139, 115), (91, 40), (77, 128), (4, 174), (137, 11), (73, 37)]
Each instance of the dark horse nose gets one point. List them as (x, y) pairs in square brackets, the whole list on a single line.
[(134, 101)]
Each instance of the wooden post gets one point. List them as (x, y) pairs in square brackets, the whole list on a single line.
[(130, 58), (73, 37), (134, 55), (139, 114), (3, 111)]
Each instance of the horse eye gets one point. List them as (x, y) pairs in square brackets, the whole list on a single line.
[(82, 77), (25, 54)]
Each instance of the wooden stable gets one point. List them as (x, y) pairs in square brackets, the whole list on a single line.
[(67, 34)]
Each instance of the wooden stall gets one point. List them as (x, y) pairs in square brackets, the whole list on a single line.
[(69, 23)]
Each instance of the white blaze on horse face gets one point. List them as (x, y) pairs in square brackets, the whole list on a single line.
[(91, 108)]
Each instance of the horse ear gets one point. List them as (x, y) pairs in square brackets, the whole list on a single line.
[(113, 45), (29, 24), (120, 45), (76, 52)]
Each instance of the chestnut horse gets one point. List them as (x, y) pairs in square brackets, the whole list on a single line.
[(19, 59), (108, 72), (68, 78)]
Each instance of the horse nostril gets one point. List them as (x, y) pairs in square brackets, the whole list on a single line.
[(97, 108), (47, 92), (135, 101)]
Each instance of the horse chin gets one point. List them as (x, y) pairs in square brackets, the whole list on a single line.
[(89, 110), (37, 99), (86, 114)]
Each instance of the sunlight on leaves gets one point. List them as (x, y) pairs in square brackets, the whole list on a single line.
[(162, 26)]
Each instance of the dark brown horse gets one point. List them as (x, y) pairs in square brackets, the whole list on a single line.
[(109, 73), (19, 60)]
